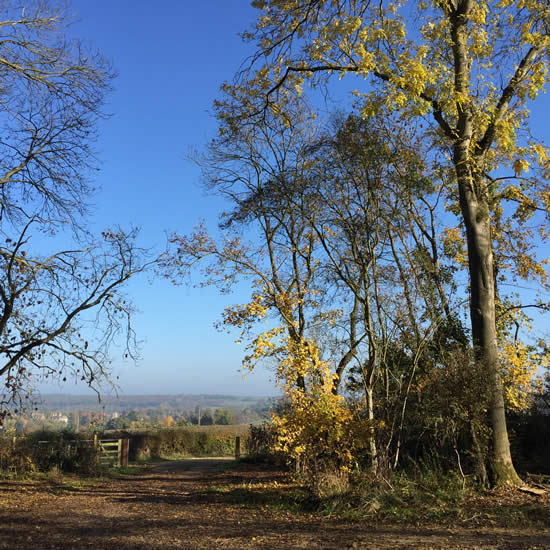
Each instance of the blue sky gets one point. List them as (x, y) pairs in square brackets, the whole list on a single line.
[(171, 58)]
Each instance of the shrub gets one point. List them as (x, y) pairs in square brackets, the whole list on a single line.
[(261, 441), (188, 440), (421, 492), (67, 451), (44, 451), (322, 437), (15, 455)]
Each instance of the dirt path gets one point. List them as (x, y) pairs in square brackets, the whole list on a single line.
[(202, 504)]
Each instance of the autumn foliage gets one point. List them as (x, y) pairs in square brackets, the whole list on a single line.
[(386, 238)]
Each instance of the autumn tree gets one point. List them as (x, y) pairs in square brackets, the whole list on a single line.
[(168, 422), (263, 172), (60, 304), (333, 261), (264, 239), (468, 69), (376, 201)]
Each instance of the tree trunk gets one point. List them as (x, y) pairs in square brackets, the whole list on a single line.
[(475, 211), (479, 457), (372, 441)]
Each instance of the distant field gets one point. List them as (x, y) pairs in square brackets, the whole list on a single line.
[(128, 402), (232, 429)]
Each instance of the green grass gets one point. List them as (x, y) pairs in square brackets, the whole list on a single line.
[(130, 470), (423, 497), (533, 515)]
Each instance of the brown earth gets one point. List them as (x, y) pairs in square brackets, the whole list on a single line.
[(204, 503)]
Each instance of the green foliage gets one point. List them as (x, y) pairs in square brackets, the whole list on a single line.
[(120, 423), (422, 493), (530, 440), (451, 411), (426, 493), (207, 419), (45, 451), (66, 451), (183, 441), (223, 417)]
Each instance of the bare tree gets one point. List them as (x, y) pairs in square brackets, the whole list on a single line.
[(51, 95), (60, 310), (60, 313)]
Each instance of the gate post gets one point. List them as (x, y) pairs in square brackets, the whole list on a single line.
[(124, 454)]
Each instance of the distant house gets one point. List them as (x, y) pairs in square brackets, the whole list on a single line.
[(60, 417)]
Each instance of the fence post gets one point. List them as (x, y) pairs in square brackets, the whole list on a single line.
[(237, 447), (125, 450), (95, 440)]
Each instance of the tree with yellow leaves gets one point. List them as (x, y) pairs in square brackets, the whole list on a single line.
[(317, 429), (168, 422), (468, 68), (335, 260)]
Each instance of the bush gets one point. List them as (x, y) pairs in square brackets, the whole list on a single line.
[(67, 451), (260, 445), (261, 441), (420, 493), (44, 451), (322, 437), (182, 441), (530, 441), (15, 456)]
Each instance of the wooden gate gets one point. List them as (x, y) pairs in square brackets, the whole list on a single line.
[(112, 452)]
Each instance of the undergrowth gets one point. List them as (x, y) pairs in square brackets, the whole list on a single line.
[(426, 496)]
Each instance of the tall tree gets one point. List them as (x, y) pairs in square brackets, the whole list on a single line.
[(258, 170), (467, 67), (375, 201), (332, 256), (60, 305)]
